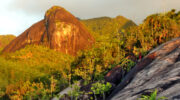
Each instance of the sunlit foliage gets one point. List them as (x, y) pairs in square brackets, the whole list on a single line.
[(5, 39), (34, 64)]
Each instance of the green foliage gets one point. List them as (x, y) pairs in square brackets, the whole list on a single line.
[(2, 93), (153, 96), (31, 90), (92, 64), (75, 93), (117, 46), (35, 64), (127, 64), (100, 88), (106, 25), (5, 39), (156, 29), (41, 60)]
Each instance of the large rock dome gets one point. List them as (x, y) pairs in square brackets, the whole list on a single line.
[(59, 30)]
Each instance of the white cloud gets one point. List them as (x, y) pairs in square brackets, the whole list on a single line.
[(94, 8), (33, 6), (18, 15)]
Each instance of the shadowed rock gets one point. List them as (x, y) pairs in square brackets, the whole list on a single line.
[(59, 30), (115, 75), (160, 70)]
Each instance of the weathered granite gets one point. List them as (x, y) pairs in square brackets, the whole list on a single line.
[(59, 30), (160, 70)]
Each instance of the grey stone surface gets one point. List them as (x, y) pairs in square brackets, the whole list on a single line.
[(163, 74), (66, 90)]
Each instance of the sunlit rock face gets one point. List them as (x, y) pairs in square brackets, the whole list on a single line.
[(59, 30), (64, 37)]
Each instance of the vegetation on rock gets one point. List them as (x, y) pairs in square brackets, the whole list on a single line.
[(153, 96)]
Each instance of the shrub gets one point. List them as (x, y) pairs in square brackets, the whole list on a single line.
[(153, 96), (100, 88)]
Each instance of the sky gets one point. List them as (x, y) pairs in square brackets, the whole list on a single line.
[(18, 15)]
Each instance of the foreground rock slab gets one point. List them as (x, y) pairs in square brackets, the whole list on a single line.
[(160, 70)]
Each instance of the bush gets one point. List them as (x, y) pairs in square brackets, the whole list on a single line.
[(153, 96), (100, 88)]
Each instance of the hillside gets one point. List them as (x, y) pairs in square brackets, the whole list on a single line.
[(5, 40), (31, 63), (158, 71), (107, 25), (113, 57)]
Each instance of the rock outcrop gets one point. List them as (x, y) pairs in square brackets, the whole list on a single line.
[(115, 75), (160, 70), (59, 30)]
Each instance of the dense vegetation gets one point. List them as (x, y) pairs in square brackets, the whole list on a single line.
[(5, 39), (106, 25), (32, 64), (112, 48), (37, 72)]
